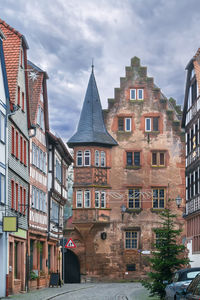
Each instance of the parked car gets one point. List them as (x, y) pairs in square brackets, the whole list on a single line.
[(180, 280), (191, 292)]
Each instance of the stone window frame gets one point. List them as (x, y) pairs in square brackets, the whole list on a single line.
[(79, 201), (156, 158), (131, 239), (87, 198), (151, 128), (123, 126), (133, 158), (99, 199)]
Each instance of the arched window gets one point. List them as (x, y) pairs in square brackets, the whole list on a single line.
[(103, 159), (79, 158), (87, 158), (97, 158)]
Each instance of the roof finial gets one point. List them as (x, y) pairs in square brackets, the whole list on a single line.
[(92, 65)]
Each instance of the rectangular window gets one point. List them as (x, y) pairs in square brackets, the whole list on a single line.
[(137, 158), (97, 202), (121, 124), (21, 199), (21, 149), (55, 212), (13, 141), (147, 124), (25, 152), (58, 171), (24, 210), (16, 196), (158, 159), (79, 199), (155, 124), (131, 239), (87, 199), (133, 158), (17, 144), (2, 127), (133, 94), (140, 94), (79, 158), (134, 198), (2, 188), (127, 124), (39, 115), (129, 158), (23, 101), (158, 239), (103, 159), (12, 194), (87, 158), (103, 200), (159, 198), (97, 158), (18, 96)]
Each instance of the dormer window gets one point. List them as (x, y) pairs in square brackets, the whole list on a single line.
[(136, 94), (87, 158)]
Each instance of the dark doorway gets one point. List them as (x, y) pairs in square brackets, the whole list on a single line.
[(71, 268)]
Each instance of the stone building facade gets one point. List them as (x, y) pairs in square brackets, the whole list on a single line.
[(15, 50), (127, 167), (191, 124)]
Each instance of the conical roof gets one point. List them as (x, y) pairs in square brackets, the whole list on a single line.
[(91, 127)]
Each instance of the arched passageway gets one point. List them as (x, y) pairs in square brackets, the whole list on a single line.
[(71, 267)]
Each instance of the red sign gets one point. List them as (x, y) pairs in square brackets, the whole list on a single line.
[(70, 244)]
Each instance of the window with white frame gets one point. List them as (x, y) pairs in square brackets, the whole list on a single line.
[(2, 188), (140, 94), (136, 94), (97, 199), (97, 158), (79, 199), (79, 158), (40, 117), (38, 158), (55, 212), (87, 158), (100, 199), (38, 199), (127, 124), (87, 199), (2, 127), (58, 171), (103, 200), (103, 159)]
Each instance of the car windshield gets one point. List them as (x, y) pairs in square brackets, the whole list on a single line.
[(189, 275)]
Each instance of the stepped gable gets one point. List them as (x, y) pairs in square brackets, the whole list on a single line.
[(91, 127), (11, 45), (137, 73)]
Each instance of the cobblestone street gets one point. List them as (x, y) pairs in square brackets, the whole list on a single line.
[(104, 291)]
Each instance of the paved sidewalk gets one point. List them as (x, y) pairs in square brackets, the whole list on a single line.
[(50, 293)]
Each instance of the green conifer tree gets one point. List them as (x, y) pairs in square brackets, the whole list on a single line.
[(168, 256)]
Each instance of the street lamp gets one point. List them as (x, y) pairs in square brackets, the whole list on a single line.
[(123, 210), (178, 201)]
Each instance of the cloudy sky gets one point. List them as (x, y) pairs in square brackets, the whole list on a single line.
[(64, 35)]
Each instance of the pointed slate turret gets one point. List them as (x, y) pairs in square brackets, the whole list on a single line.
[(91, 127)]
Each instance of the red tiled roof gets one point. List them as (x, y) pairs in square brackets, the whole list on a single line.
[(11, 45)]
